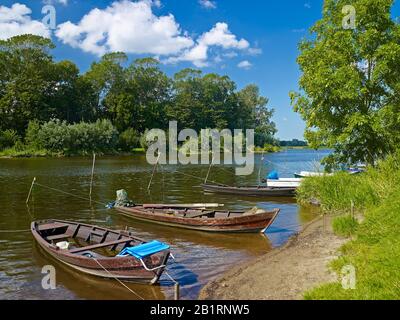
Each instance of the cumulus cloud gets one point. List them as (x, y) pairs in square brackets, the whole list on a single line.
[(132, 27), (255, 51), (16, 20), (218, 36), (126, 26), (244, 65), (208, 4), (63, 2)]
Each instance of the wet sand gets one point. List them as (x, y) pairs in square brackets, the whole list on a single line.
[(284, 273)]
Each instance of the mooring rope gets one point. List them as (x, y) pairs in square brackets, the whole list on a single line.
[(68, 193), (119, 281), (198, 178), (14, 231)]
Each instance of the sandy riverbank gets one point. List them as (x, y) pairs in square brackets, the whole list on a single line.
[(284, 273)]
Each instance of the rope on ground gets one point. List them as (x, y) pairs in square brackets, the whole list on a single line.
[(70, 194), (119, 281)]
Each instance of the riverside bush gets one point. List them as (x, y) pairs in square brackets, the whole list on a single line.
[(129, 140), (81, 138), (8, 138)]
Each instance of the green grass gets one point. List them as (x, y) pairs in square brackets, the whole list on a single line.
[(29, 152), (374, 250), (345, 226), (25, 153)]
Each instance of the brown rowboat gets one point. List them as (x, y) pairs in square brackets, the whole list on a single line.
[(252, 191), (256, 220), (93, 250)]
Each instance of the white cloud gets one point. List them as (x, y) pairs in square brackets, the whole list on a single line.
[(208, 4), (132, 27), (244, 65), (231, 54), (255, 51), (218, 36), (16, 20), (307, 5), (126, 26), (63, 2)]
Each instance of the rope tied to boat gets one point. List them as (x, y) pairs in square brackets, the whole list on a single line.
[(69, 193), (119, 281), (15, 231)]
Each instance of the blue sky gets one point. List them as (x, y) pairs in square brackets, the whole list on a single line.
[(252, 42)]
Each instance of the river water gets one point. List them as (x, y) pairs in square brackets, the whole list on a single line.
[(200, 257)]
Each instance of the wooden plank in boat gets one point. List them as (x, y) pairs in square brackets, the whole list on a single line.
[(198, 214), (57, 237), (51, 226), (100, 245)]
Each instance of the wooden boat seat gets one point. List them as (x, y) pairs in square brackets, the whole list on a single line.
[(52, 226), (58, 237), (198, 214), (100, 245)]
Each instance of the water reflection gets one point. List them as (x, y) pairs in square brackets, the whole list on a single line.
[(200, 257)]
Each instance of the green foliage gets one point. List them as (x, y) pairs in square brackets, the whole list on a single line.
[(374, 250), (335, 193), (31, 135), (81, 138), (293, 143), (345, 225), (35, 89), (129, 140), (374, 254), (350, 82), (8, 138)]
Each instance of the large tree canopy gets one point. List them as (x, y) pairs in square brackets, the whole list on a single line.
[(134, 97), (34, 87), (350, 82)]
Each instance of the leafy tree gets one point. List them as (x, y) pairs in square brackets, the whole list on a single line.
[(150, 89), (254, 113), (186, 106), (350, 82), (26, 80), (107, 78)]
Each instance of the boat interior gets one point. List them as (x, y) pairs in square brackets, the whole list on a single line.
[(200, 213), (84, 240)]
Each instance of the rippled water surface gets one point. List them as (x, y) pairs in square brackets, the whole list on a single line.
[(200, 257)]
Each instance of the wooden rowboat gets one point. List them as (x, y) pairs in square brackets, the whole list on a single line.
[(256, 220), (259, 191), (284, 183), (94, 250)]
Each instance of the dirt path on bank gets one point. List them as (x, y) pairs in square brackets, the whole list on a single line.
[(284, 273)]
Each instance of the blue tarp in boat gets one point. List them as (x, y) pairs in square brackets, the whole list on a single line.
[(274, 175), (144, 250)]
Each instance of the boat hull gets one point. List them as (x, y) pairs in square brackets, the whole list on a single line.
[(243, 224), (262, 191), (123, 268)]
